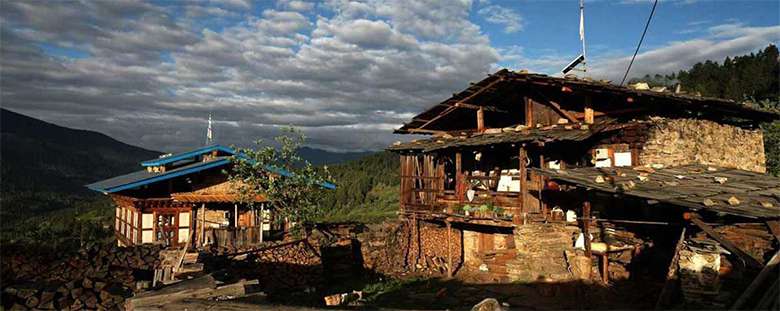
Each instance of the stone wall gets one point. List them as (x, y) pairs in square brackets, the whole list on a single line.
[(674, 142), (541, 252)]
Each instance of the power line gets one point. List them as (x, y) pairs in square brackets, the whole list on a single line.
[(649, 18)]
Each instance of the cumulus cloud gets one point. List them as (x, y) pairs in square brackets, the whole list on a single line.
[(346, 75), (506, 17)]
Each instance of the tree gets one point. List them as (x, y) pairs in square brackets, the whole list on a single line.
[(291, 185)]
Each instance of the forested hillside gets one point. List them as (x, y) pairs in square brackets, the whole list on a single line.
[(367, 189), (754, 77)]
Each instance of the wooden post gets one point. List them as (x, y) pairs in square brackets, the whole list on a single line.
[(203, 225), (589, 115), (529, 112), (522, 156), (586, 232), (481, 119), (458, 176), (235, 216), (262, 220), (449, 249), (542, 207)]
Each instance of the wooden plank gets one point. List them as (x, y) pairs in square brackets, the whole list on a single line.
[(747, 258), (757, 282)]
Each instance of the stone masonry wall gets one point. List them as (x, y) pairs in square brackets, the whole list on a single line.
[(540, 252), (675, 142)]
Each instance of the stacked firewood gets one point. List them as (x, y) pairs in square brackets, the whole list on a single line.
[(99, 277), (753, 238)]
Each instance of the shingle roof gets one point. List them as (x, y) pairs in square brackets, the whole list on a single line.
[(691, 186), (484, 93)]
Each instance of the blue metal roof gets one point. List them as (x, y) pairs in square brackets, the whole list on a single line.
[(187, 155), (144, 177)]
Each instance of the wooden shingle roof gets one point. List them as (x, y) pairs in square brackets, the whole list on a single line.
[(697, 187)]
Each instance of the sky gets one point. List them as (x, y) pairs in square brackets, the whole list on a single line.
[(345, 72)]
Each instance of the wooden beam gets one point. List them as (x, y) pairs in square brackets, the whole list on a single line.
[(747, 258), (564, 113), (458, 176), (480, 120), (757, 282), (476, 107), (452, 108)]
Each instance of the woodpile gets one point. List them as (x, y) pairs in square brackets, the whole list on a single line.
[(99, 277)]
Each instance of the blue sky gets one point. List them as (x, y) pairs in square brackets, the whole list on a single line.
[(346, 72)]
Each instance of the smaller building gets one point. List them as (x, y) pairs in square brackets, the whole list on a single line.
[(187, 199)]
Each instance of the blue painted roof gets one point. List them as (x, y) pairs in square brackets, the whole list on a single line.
[(186, 155), (144, 177)]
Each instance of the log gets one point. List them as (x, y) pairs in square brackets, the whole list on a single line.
[(177, 291)]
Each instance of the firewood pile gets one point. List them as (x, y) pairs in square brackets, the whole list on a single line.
[(99, 277), (280, 265)]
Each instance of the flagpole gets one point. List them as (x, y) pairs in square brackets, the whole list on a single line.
[(582, 35)]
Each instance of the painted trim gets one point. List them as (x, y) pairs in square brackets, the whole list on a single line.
[(186, 155)]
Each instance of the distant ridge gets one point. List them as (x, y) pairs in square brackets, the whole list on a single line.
[(38, 156)]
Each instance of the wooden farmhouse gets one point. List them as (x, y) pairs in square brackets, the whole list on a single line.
[(519, 169), (187, 199)]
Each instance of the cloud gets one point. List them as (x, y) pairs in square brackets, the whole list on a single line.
[(346, 75), (722, 41), (508, 18)]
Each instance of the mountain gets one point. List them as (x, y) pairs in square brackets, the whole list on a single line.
[(38, 156), (323, 157)]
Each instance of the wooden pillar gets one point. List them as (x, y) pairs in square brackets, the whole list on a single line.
[(449, 249), (203, 224), (458, 176), (522, 156), (235, 216), (588, 110), (262, 220), (481, 119), (529, 112), (586, 233)]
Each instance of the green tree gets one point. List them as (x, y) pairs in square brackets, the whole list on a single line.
[(291, 185)]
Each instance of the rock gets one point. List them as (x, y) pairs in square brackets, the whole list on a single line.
[(721, 180), (733, 200), (488, 304)]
